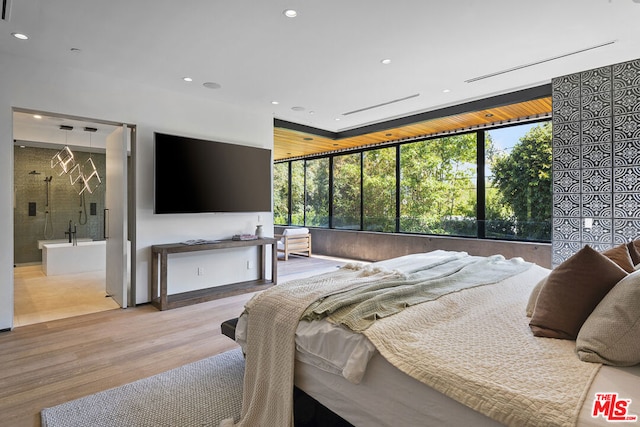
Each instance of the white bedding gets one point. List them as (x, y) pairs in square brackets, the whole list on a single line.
[(344, 372)]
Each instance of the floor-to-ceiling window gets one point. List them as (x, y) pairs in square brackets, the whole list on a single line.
[(297, 192), (281, 193), (379, 189), (317, 192), (518, 182), (347, 194), (438, 186), (490, 183)]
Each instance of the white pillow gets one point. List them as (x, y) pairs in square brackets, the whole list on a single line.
[(295, 231)]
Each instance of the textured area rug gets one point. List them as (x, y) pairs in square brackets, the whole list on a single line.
[(199, 394)]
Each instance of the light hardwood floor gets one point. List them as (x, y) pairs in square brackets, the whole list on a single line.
[(48, 363), (40, 298)]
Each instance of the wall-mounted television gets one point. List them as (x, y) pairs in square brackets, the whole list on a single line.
[(195, 176)]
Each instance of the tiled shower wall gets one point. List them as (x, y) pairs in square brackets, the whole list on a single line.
[(31, 167), (596, 159)]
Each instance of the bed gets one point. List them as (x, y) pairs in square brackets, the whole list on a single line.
[(461, 351)]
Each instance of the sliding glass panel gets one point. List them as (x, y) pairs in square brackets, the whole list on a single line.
[(518, 182), (347, 206), (297, 192), (379, 186), (281, 193), (438, 186), (317, 193)]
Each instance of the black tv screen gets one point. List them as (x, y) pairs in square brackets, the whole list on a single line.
[(195, 176)]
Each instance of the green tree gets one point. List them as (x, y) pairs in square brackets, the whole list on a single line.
[(347, 206), (379, 189), (523, 179), (317, 193), (280, 193), (297, 192), (438, 188)]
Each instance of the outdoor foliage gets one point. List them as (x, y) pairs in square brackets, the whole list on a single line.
[(523, 180), (437, 188), (280, 193), (347, 204)]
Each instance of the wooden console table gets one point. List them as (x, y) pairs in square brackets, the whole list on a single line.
[(159, 265)]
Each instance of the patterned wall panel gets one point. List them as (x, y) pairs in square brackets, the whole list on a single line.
[(596, 159)]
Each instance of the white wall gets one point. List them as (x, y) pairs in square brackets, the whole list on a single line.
[(50, 88)]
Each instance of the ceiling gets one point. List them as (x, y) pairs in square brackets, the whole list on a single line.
[(324, 67)]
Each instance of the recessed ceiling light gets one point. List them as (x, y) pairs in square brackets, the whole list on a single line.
[(446, 90), (187, 79), (75, 50), (212, 85), (275, 102), (337, 119), (386, 61), (290, 13), (37, 116), (297, 108), (488, 115), (20, 36)]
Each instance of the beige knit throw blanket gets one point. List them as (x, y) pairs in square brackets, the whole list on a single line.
[(358, 308), (475, 346), (270, 350)]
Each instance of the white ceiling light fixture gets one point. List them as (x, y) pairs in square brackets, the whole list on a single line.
[(89, 173), (187, 79), (274, 103), (385, 61), (290, 13), (64, 158), (297, 108), (20, 36)]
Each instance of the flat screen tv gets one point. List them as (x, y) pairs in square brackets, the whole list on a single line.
[(195, 176)]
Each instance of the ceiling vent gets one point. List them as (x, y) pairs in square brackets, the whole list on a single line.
[(520, 67), (6, 9), (381, 105)]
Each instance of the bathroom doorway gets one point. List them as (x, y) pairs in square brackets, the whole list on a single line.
[(53, 207)]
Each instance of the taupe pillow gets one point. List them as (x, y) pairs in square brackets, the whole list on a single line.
[(572, 291), (533, 297), (611, 334), (621, 256)]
